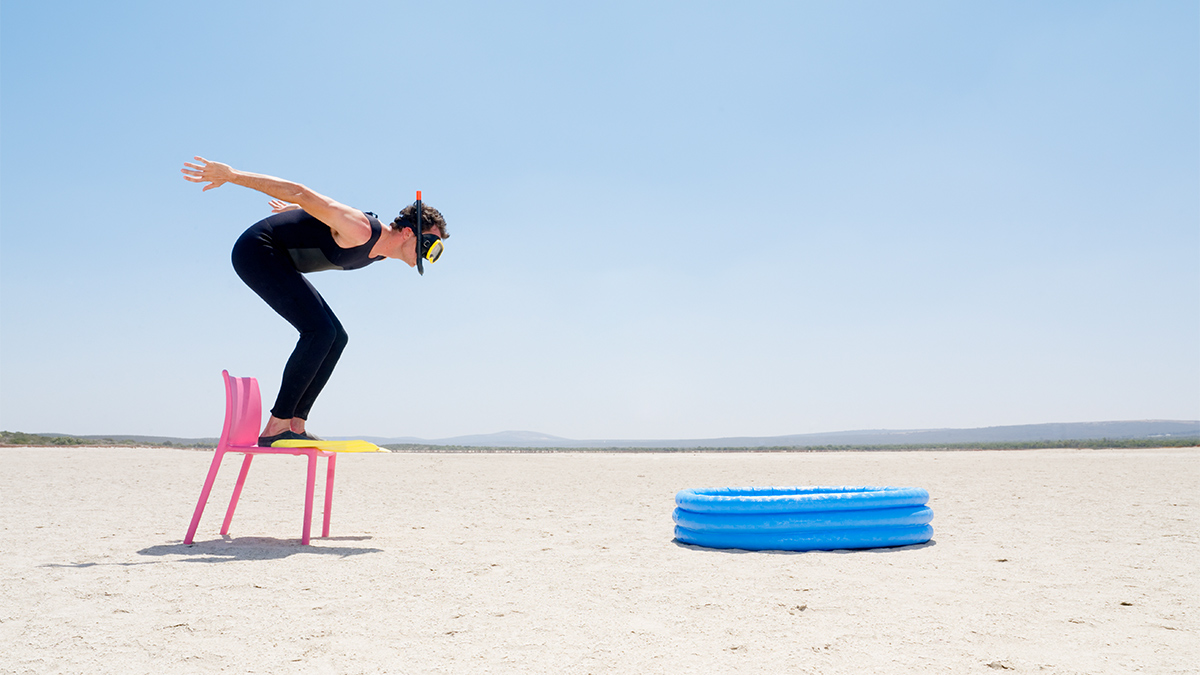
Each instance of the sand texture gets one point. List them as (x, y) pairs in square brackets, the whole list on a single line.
[(1042, 561)]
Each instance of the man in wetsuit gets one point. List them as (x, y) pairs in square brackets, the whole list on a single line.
[(309, 233)]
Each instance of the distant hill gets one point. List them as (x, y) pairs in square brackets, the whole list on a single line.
[(1144, 429), (1172, 432), (18, 438)]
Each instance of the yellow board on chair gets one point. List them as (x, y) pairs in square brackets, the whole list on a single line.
[(331, 446)]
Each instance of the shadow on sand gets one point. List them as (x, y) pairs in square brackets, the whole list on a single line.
[(228, 549), (841, 551), (256, 548)]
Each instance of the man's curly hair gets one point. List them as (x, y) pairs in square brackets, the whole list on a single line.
[(430, 218)]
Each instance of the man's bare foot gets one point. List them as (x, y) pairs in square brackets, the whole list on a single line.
[(276, 426), (298, 427)]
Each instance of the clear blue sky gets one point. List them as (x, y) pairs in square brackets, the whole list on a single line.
[(669, 220)]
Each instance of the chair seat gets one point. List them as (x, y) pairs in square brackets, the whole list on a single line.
[(286, 450)]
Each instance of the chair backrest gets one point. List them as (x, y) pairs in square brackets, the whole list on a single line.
[(243, 411)]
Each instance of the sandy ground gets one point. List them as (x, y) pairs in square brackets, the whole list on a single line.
[(1042, 561)]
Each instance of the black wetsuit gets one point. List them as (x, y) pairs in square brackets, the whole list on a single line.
[(271, 257)]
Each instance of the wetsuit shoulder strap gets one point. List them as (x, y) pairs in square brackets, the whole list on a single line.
[(376, 233)]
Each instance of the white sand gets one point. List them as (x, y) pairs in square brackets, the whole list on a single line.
[(1042, 561)]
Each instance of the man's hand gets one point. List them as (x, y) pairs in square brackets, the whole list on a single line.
[(215, 174), (279, 206)]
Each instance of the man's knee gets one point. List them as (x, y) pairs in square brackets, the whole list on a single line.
[(324, 334), (341, 338)]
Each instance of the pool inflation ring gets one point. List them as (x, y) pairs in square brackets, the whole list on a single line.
[(802, 518)]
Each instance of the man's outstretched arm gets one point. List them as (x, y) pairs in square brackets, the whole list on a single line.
[(350, 226)]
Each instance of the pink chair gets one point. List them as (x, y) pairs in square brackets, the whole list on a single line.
[(243, 419)]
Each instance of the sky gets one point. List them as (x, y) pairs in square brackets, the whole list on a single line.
[(668, 220)]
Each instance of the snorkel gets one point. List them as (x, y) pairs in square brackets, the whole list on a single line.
[(429, 245), (417, 232)]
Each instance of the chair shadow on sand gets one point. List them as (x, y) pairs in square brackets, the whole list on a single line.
[(840, 551), (229, 548)]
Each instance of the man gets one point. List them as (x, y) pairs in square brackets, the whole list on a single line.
[(310, 233)]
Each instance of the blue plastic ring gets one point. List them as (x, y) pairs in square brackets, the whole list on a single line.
[(803, 518)]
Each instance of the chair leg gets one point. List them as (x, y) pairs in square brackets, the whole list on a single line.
[(237, 493), (308, 495), (218, 455), (330, 465)]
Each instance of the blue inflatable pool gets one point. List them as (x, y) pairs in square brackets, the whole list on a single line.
[(802, 518)]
